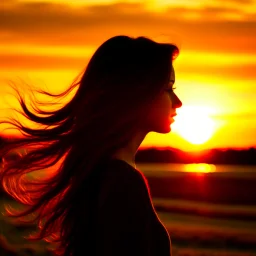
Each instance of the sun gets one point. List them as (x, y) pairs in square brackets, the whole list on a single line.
[(194, 124)]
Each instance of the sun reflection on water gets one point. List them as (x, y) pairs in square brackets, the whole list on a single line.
[(200, 168)]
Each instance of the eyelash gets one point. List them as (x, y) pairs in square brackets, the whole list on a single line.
[(170, 90)]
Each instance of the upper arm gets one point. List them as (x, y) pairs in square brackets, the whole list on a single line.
[(124, 219)]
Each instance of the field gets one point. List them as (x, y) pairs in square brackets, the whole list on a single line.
[(205, 214)]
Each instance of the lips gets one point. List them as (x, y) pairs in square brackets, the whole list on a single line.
[(173, 115)]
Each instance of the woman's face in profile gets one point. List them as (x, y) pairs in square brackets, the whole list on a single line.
[(159, 116)]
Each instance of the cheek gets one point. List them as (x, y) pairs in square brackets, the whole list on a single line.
[(163, 105), (159, 111)]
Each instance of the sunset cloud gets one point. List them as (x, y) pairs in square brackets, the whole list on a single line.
[(52, 42), (36, 62), (246, 2), (209, 28)]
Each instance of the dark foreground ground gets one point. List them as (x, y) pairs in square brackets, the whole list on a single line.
[(205, 214)]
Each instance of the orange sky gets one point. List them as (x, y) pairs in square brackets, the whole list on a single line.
[(48, 43)]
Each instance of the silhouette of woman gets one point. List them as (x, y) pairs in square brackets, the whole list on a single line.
[(95, 201)]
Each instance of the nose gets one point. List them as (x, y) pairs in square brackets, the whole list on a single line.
[(176, 102)]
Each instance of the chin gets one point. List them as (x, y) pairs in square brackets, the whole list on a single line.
[(164, 129), (167, 130)]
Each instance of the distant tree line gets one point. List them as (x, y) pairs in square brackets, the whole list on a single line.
[(174, 155), (212, 156)]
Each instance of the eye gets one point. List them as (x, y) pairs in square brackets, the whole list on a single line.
[(170, 89)]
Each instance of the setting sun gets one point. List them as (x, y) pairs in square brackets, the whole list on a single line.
[(194, 124)]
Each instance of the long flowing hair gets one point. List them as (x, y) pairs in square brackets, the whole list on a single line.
[(121, 80)]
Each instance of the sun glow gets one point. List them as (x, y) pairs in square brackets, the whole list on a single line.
[(194, 124), (200, 168)]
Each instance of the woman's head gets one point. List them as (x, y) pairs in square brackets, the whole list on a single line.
[(122, 90), (162, 110), (122, 80)]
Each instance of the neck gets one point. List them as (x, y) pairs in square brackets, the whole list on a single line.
[(128, 152)]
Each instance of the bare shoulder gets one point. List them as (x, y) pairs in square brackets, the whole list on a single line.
[(121, 172), (119, 179)]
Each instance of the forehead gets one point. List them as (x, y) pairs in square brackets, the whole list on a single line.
[(172, 74)]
